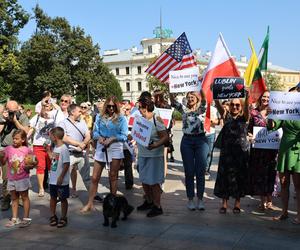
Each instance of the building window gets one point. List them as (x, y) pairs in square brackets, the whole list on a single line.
[(150, 49), (139, 86), (117, 71), (139, 68), (127, 86), (127, 70)]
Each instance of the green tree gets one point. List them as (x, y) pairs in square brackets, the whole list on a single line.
[(12, 19), (273, 82), (62, 59)]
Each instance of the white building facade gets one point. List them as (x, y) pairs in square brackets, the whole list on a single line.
[(129, 66)]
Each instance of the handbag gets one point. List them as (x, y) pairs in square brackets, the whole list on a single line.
[(218, 141)]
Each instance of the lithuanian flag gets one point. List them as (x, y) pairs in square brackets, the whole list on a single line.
[(253, 77)]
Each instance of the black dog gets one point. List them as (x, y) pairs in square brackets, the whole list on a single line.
[(113, 205)]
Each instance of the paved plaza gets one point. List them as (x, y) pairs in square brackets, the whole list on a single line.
[(177, 228)]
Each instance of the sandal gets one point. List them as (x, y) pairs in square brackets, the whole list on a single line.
[(13, 222), (269, 206), (53, 221), (25, 222), (295, 221), (62, 222), (74, 194), (87, 210), (236, 210), (41, 193), (281, 217), (223, 210)]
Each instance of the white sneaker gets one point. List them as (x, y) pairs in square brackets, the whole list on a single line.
[(191, 205), (200, 205)]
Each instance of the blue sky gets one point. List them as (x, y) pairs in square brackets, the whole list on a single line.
[(122, 24)]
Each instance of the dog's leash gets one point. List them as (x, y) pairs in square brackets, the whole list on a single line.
[(106, 156)]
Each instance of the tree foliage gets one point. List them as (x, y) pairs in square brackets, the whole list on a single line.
[(12, 19), (62, 59), (274, 82)]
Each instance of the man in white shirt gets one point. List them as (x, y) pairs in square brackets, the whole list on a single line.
[(77, 136)]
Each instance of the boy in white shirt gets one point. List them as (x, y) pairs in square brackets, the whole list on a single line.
[(59, 177)]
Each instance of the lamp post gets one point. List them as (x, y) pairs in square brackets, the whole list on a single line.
[(88, 92), (73, 63)]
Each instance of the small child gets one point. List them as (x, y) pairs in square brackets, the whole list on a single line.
[(59, 177), (18, 176)]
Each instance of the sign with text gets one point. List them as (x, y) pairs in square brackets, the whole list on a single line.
[(141, 130), (185, 80), (284, 105), (165, 115), (266, 139), (228, 88), (134, 112)]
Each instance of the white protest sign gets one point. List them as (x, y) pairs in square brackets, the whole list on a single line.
[(266, 139), (184, 80), (165, 115), (284, 105), (135, 112), (141, 130)]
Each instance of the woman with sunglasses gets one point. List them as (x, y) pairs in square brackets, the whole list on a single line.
[(194, 145), (110, 131), (86, 116), (40, 126), (233, 162)]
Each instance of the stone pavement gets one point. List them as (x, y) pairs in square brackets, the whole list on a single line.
[(177, 228)]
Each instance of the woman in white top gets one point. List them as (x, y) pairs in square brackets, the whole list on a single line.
[(40, 126)]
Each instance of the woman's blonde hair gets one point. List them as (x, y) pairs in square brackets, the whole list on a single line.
[(197, 95), (116, 114)]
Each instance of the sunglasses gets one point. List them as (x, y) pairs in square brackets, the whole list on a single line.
[(126, 109), (111, 106), (65, 101), (83, 107), (235, 105)]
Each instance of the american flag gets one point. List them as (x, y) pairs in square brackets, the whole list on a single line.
[(178, 56)]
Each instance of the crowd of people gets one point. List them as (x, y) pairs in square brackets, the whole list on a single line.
[(60, 138)]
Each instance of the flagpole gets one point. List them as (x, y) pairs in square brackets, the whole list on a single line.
[(160, 26)]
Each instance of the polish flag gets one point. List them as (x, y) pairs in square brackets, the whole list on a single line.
[(221, 65)]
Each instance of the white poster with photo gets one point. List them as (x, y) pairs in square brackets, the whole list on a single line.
[(135, 112), (141, 130), (165, 115), (184, 80), (284, 105), (266, 139)]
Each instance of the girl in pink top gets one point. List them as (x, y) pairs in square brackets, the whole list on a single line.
[(18, 176)]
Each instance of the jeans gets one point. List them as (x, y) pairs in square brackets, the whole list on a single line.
[(194, 152), (211, 140)]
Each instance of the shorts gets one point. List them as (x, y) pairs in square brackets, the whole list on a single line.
[(63, 191), (43, 159), (114, 151), (18, 185), (76, 162)]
